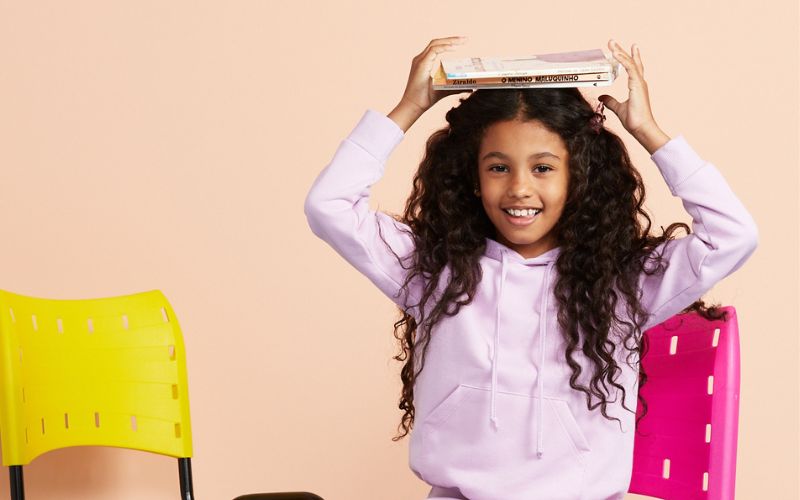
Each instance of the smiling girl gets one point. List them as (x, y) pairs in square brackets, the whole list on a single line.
[(525, 273)]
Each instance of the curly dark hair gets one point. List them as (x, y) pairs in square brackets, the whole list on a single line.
[(604, 243)]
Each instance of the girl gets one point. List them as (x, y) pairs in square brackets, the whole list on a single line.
[(526, 277)]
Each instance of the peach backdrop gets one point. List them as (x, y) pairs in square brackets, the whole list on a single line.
[(152, 144)]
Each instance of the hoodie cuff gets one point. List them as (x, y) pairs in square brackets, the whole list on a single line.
[(677, 161), (377, 134)]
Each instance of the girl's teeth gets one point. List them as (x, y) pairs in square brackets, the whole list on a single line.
[(521, 213)]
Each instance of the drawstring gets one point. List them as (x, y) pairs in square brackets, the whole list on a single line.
[(493, 416), (542, 335)]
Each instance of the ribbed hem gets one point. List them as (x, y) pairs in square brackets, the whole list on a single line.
[(677, 161), (377, 134)]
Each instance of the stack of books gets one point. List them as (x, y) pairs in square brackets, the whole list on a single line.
[(583, 68)]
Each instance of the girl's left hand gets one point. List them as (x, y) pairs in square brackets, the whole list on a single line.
[(634, 114)]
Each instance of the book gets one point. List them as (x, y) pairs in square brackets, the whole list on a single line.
[(522, 80), (564, 69)]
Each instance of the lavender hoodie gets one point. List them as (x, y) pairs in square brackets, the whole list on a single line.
[(495, 416)]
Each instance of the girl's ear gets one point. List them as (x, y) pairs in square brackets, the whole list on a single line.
[(477, 191)]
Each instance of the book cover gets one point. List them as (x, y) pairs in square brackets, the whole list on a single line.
[(575, 62)]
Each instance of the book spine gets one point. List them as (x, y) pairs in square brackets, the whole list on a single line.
[(585, 77), (591, 68), (474, 86)]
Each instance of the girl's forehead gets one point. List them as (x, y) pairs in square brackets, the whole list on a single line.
[(515, 136)]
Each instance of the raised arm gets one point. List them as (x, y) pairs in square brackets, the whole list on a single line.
[(724, 233), (337, 206)]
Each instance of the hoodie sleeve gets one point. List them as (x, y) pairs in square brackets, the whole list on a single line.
[(337, 208), (723, 237)]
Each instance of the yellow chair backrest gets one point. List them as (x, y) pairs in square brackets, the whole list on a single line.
[(106, 372)]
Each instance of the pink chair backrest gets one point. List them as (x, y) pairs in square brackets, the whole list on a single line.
[(685, 447)]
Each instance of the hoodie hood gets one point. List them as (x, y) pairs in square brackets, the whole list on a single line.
[(505, 255)]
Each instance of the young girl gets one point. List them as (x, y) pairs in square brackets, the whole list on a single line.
[(526, 277)]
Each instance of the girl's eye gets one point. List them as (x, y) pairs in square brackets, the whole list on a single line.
[(547, 167)]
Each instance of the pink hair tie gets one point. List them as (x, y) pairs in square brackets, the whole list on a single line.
[(596, 122)]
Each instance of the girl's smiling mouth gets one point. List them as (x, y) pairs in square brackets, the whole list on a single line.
[(520, 217)]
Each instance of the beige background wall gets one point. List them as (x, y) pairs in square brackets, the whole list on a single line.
[(153, 144)]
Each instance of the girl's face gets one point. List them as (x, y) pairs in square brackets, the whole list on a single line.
[(522, 165)]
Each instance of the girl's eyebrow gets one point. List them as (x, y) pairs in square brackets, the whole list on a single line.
[(502, 156)]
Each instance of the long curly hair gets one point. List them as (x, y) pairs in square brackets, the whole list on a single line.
[(603, 235)]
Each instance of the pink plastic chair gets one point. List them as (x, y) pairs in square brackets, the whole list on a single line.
[(685, 447)]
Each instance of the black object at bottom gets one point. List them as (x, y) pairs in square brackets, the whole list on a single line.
[(16, 483), (185, 472)]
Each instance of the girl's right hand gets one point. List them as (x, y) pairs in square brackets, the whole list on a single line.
[(419, 91)]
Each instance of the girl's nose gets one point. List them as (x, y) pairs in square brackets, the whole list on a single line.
[(520, 189)]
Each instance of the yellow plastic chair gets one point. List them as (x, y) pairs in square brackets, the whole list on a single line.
[(104, 372), (99, 372)]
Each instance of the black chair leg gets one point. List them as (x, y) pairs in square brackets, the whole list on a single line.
[(185, 472), (15, 481)]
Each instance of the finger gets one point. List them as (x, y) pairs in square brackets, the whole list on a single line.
[(441, 48), (638, 59), (619, 54), (609, 102), (440, 45), (429, 56), (446, 41), (626, 60)]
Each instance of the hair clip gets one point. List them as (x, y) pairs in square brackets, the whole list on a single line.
[(596, 121)]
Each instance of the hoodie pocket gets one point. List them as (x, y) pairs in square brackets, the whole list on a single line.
[(460, 446)]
